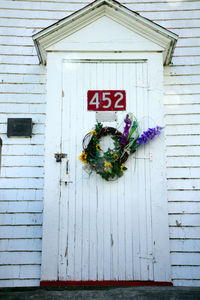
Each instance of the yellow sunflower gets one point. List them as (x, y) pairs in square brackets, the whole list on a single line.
[(93, 132), (107, 165), (83, 157), (115, 156), (98, 147), (122, 167)]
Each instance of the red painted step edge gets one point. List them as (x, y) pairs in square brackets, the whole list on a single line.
[(105, 283)]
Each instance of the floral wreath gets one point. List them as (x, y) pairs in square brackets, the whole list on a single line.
[(110, 164)]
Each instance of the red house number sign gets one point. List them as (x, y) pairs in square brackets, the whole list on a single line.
[(109, 100)]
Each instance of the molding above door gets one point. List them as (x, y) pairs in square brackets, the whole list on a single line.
[(163, 39)]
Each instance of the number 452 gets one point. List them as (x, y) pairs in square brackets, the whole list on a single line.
[(108, 100)]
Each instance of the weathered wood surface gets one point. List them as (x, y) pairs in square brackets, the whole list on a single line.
[(22, 94)]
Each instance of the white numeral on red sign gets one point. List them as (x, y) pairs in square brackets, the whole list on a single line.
[(118, 100), (105, 98), (95, 100)]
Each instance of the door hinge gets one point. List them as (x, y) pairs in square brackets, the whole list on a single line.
[(63, 94)]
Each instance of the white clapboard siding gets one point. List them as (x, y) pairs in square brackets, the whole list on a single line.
[(186, 207), (20, 258), (183, 173), (19, 59), (17, 50), (178, 258), (183, 119), (190, 245), (26, 23), (23, 171), (182, 140), (22, 94), (13, 245), (21, 195), (21, 219), (187, 282), (20, 271), (18, 282), (20, 232), (182, 195), (21, 207), (25, 79)]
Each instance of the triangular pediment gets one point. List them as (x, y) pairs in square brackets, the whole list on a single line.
[(109, 36), (105, 25)]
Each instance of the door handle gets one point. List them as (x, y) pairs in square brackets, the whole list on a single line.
[(67, 167)]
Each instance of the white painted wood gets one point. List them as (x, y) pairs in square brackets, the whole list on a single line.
[(183, 173), (191, 184), (19, 272), (51, 189), (184, 233), (184, 220), (19, 283), (173, 140), (21, 195), (23, 78), (21, 219), (117, 38), (21, 244), (187, 282), (21, 19), (183, 195), (110, 261), (182, 119), (183, 162), (184, 245), (185, 272), (20, 258), (14, 232), (23, 172), (100, 9), (186, 207)]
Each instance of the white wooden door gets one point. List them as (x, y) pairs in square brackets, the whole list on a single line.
[(105, 227)]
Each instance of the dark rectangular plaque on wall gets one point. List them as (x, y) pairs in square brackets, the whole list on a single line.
[(19, 127)]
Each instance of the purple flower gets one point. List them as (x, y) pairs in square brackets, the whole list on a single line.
[(124, 137), (148, 135)]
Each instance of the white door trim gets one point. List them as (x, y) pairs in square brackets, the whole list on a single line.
[(50, 243)]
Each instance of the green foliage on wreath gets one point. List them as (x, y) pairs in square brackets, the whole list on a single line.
[(107, 164), (110, 164)]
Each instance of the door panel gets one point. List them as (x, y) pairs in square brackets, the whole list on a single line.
[(105, 227)]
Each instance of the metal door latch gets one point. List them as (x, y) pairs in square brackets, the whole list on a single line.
[(66, 181), (59, 156)]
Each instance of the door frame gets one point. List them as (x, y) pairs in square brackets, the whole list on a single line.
[(51, 217)]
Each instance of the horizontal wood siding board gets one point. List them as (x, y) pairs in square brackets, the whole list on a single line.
[(185, 246), (183, 173), (20, 258), (189, 259), (187, 282), (178, 232), (22, 231), (20, 271), (21, 195), (183, 196), (21, 207), (186, 272), (15, 245), (19, 282)]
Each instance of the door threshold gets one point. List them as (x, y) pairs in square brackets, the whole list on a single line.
[(104, 283)]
